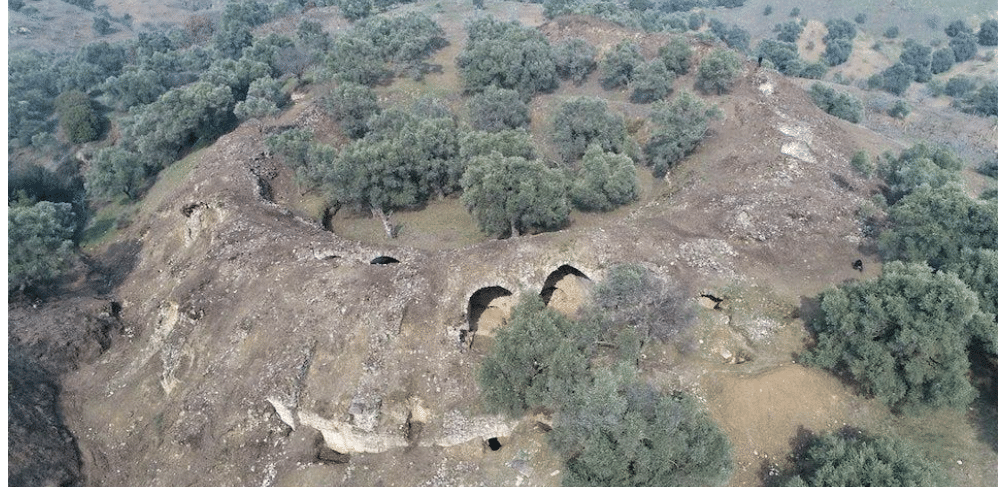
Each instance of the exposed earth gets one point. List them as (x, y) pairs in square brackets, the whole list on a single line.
[(243, 343)]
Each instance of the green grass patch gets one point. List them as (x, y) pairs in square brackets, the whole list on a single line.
[(110, 219)]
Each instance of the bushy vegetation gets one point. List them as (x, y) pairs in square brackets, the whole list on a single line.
[(988, 33), (677, 55), (78, 117), (352, 105), (920, 166), (498, 109), (507, 55), (542, 359), (850, 458), (603, 181), (511, 195), (841, 105), (508, 143), (679, 127), (618, 65), (918, 56), (582, 121), (718, 71), (39, 244), (575, 59), (899, 109), (651, 82), (735, 37), (902, 337)]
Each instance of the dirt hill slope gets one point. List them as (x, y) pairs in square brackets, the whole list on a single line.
[(261, 349)]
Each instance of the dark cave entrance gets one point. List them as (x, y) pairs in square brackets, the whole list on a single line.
[(384, 260), (494, 444), (550, 286), (482, 300)]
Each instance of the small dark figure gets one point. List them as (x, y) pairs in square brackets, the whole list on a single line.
[(858, 265), (760, 61)]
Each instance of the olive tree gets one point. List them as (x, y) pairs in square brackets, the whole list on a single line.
[(849, 458), (575, 59), (39, 244), (498, 109), (618, 65), (582, 121), (603, 181), (718, 71), (679, 127), (902, 337), (511, 195), (615, 430)]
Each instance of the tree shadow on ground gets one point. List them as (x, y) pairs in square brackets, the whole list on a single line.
[(983, 413), (109, 269)]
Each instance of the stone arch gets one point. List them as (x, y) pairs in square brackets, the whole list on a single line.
[(569, 285), (489, 306)]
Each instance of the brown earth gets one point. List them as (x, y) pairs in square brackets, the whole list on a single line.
[(261, 349)]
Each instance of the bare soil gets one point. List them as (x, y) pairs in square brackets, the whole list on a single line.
[(248, 328)]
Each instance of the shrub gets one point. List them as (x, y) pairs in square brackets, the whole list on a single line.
[(942, 60), (582, 121), (897, 78), (988, 33), (679, 127), (917, 167), (651, 82), (498, 109), (574, 59), (964, 46), (789, 31), (862, 164), (78, 117), (695, 21), (891, 32), (618, 65), (848, 458), (603, 181), (767, 10), (959, 86), (115, 172), (616, 430), (900, 109), (918, 56), (839, 29), (502, 207), (351, 105), (718, 72), (988, 168), (902, 336), (355, 9), (39, 244), (102, 26), (982, 101), (860, 18), (842, 105), (795, 12), (677, 55), (957, 27), (837, 51)]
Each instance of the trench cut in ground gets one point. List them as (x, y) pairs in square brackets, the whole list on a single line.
[(566, 289)]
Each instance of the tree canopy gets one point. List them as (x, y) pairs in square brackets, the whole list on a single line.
[(603, 181), (848, 459), (582, 121), (512, 195), (679, 127), (507, 55), (718, 71), (902, 337), (39, 243)]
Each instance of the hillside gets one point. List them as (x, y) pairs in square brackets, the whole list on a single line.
[(261, 345)]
